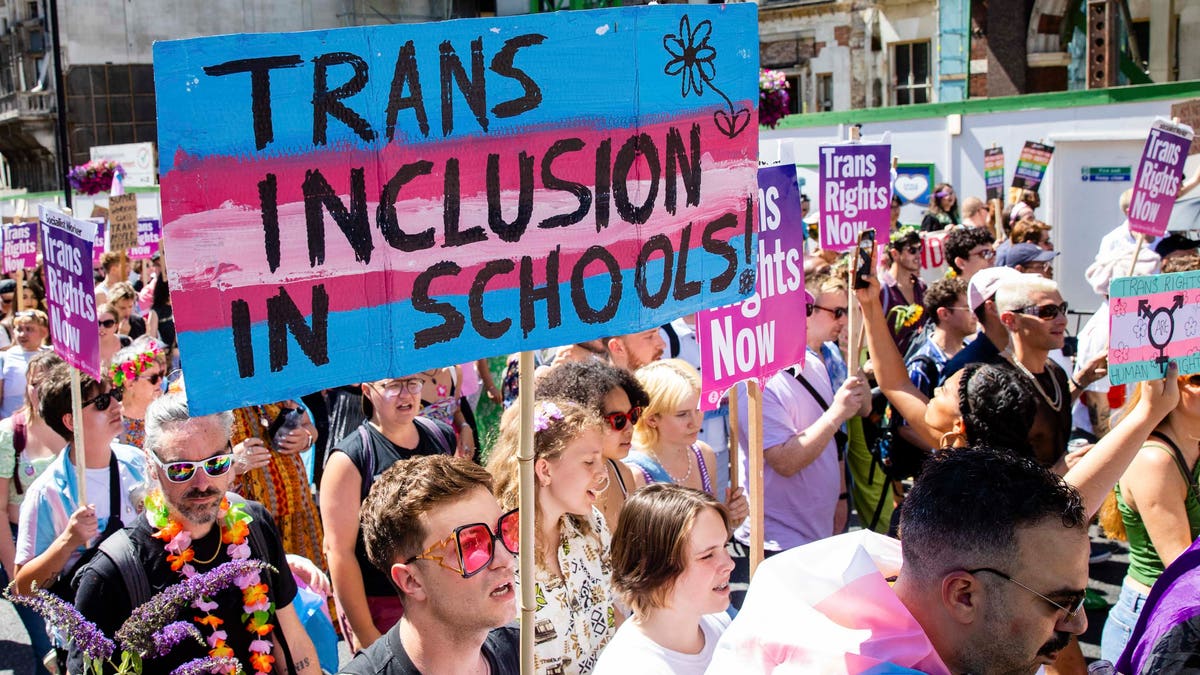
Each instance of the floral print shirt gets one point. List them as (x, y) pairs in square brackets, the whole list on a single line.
[(576, 613)]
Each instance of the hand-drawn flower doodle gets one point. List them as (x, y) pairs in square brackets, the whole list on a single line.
[(1189, 328), (693, 59), (1139, 329)]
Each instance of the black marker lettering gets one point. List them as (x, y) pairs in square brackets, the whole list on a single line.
[(326, 102), (260, 88)]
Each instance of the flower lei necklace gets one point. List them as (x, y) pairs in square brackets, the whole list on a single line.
[(256, 605)]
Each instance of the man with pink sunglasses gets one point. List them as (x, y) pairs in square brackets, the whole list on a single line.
[(433, 527)]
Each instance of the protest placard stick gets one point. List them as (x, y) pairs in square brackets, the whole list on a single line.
[(77, 442), (525, 464), (20, 285), (852, 308), (754, 479), (734, 463), (1137, 250)]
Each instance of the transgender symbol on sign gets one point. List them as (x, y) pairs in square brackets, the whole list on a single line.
[(1160, 324), (692, 60)]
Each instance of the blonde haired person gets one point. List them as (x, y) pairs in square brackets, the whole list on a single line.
[(666, 445), (671, 567), (30, 330), (1155, 507), (576, 614)]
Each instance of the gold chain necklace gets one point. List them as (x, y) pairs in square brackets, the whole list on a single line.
[(215, 553), (1056, 402)]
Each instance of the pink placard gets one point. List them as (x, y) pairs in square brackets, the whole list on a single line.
[(760, 336), (20, 246), (1159, 175)]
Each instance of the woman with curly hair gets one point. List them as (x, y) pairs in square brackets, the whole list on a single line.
[(576, 614), (943, 209)]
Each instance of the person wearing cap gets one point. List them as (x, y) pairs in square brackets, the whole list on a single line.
[(1175, 244), (1028, 259), (993, 336)]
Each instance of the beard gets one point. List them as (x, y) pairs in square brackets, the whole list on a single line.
[(195, 513)]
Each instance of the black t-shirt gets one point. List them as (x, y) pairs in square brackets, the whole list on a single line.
[(102, 597), (981, 350), (502, 649), (1051, 428), (384, 454)]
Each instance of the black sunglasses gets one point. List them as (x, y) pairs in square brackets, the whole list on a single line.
[(153, 379), (1047, 312), (837, 312), (104, 399), (107, 323), (618, 420)]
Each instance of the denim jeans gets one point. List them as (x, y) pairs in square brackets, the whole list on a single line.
[(1121, 619)]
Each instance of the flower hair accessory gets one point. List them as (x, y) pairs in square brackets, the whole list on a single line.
[(542, 416), (122, 373)]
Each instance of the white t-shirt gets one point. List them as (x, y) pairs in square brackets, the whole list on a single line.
[(630, 651), (13, 364)]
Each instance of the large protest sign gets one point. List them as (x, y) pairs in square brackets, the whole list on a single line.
[(351, 204), (993, 173), (70, 289), (1159, 175), (1031, 165), (856, 193), (149, 234), (760, 336), (1153, 320), (933, 255), (20, 246)]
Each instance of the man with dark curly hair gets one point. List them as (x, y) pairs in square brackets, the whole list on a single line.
[(968, 250)]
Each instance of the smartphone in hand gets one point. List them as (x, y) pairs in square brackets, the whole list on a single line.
[(866, 258)]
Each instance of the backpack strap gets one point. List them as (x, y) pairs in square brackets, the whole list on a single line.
[(673, 339), (119, 549), (839, 436), (442, 435), (368, 477)]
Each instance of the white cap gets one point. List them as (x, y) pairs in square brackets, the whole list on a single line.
[(985, 282)]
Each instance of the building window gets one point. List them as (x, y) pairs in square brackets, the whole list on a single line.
[(795, 93), (824, 101), (911, 74)]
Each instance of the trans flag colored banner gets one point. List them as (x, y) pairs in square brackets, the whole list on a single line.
[(760, 336), (346, 205), (20, 246), (1159, 175), (1153, 320), (70, 288)]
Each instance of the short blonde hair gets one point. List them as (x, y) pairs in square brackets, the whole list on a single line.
[(1018, 293), (667, 382)]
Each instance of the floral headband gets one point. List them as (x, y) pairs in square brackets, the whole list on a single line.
[(121, 373), (903, 233), (546, 411)]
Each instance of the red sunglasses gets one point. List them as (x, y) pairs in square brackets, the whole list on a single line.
[(618, 420), (475, 544)]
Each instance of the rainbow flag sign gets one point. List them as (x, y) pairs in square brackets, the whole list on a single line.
[(347, 205), (1153, 320), (1031, 165)]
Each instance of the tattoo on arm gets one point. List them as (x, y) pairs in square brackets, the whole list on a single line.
[(302, 666)]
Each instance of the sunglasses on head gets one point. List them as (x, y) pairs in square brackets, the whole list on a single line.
[(107, 323), (618, 420), (837, 312), (475, 544), (182, 472), (104, 399), (1046, 312)]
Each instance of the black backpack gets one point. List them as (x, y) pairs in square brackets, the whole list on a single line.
[(896, 457)]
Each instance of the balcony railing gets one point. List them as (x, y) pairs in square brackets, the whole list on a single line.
[(26, 104)]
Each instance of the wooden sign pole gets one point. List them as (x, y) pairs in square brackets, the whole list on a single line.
[(754, 451), (528, 510), (19, 298), (734, 463), (77, 444)]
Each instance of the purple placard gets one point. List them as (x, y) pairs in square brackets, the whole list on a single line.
[(20, 247), (760, 336), (98, 246), (71, 289), (149, 236), (856, 193), (1158, 177)]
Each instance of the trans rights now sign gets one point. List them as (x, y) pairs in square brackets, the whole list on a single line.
[(347, 205)]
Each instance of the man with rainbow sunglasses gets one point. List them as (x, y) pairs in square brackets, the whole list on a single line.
[(431, 524)]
